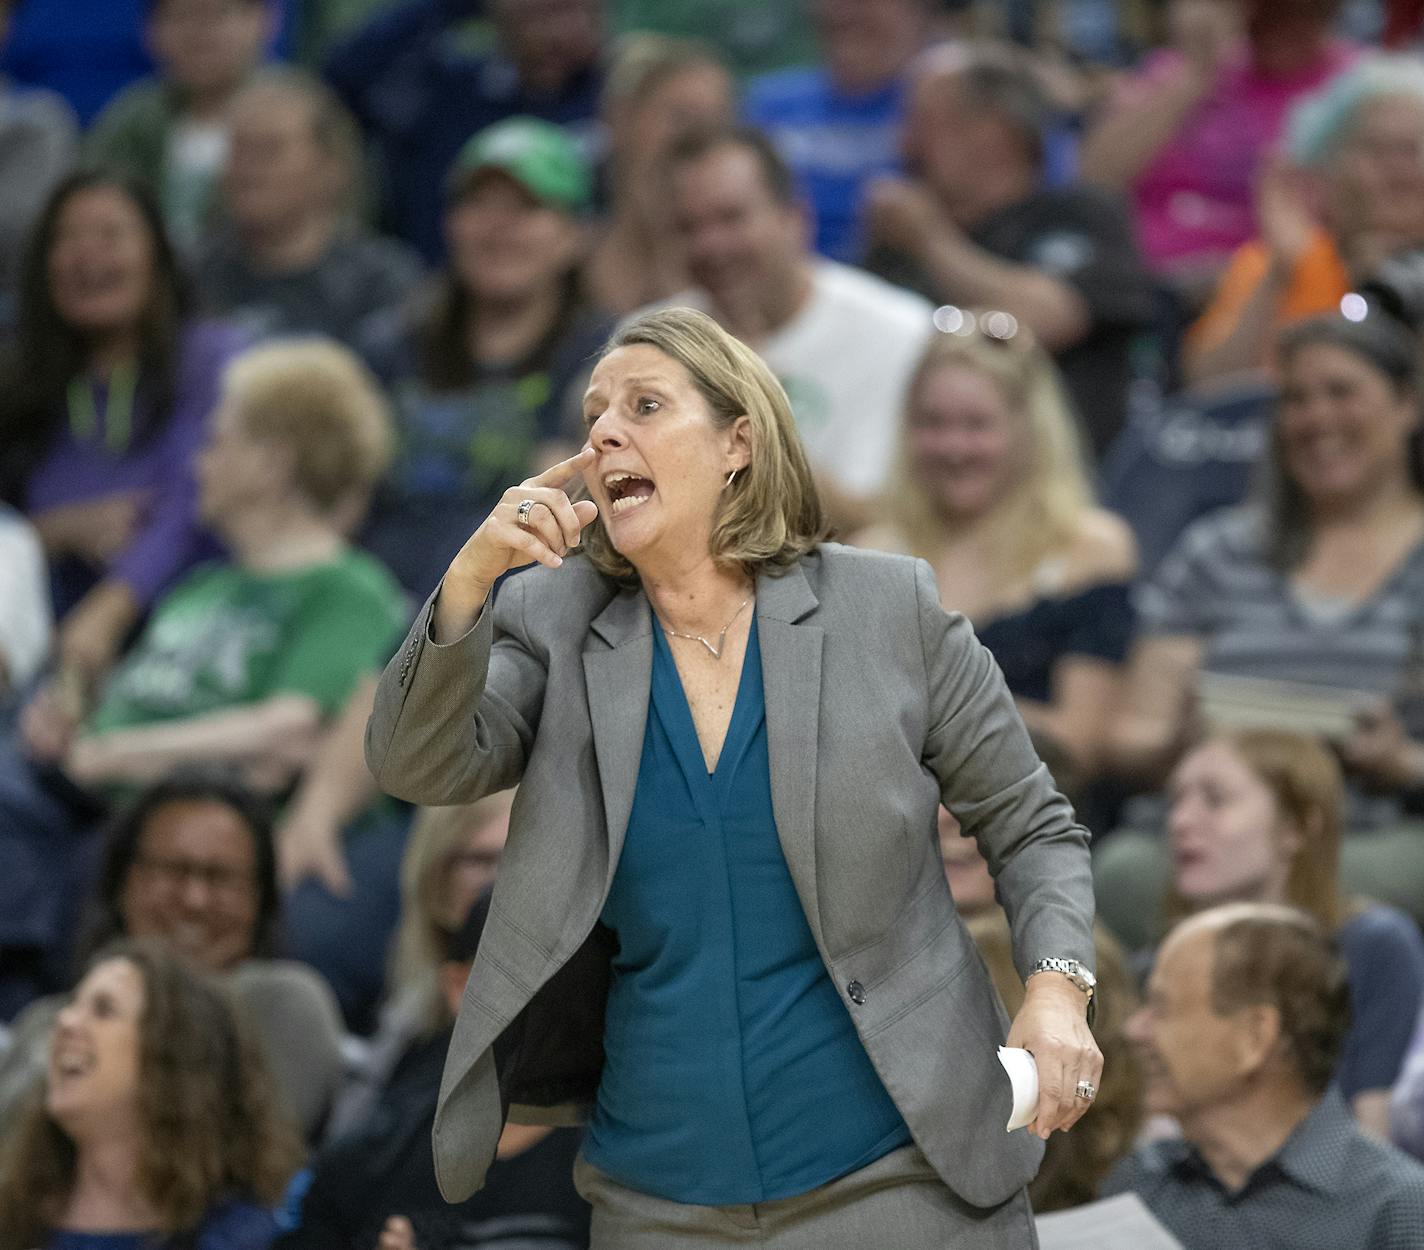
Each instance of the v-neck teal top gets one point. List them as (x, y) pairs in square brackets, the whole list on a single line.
[(733, 1072)]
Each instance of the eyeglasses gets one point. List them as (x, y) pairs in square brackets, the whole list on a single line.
[(173, 873), (992, 324)]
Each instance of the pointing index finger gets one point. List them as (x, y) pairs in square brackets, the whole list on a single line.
[(565, 471)]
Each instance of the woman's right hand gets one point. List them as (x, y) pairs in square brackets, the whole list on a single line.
[(501, 543)]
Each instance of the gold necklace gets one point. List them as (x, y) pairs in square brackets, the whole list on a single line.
[(721, 638)]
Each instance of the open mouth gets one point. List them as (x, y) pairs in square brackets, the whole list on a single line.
[(626, 491), (72, 1063)]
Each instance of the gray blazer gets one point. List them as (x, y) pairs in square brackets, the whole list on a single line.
[(878, 705)]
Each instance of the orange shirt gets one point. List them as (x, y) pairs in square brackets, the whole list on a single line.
[(1318, 283)]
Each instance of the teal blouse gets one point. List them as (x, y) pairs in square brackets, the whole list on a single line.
[(734, 1074)]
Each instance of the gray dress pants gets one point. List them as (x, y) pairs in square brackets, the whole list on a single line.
[(896, 1203)]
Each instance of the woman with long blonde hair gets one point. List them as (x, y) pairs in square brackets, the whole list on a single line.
[(991, 489)]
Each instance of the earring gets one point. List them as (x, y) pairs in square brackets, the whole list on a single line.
[(730, 476)]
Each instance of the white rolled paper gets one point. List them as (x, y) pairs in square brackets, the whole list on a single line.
[(1023, 1077)]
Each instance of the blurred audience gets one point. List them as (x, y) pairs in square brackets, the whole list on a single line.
[(1317, 583), (292, 258), (1245, 1018), (39, 138), (105, 392), (1347, 195), (975, 225), (155, 1126), (26, 618), (380, 1177), (1255, 817), (451, 857), (340, 845), (991, 490), (488, 374), (658, 91), (169, 131), (837, 123), (419, 94), (842, 343), (242, 662), (190, 864), (1185, 134)]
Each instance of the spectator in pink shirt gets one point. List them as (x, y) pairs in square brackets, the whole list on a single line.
[(1184, 136)]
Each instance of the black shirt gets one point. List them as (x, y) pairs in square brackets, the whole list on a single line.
[(1081, 237), (387, 1167)]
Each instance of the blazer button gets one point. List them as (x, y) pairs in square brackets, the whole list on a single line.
[(856, 992)]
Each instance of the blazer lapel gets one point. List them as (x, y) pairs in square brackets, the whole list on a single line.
[(791, 677), (618, 680)]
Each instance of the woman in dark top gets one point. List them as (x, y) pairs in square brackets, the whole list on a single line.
[(992, 491), (156, 1127), (488, 374), (104, 398)]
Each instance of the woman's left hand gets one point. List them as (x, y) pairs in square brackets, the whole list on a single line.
[(1052, 1026)]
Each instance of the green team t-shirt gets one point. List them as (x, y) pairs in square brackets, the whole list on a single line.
[(226, 636)]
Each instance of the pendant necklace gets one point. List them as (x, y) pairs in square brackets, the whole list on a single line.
[(721, 638)]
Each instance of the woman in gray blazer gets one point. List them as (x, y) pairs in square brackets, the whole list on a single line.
[(721, 933)]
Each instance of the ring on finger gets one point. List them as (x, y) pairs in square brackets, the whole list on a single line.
[(1086, 1090), (521, 513)]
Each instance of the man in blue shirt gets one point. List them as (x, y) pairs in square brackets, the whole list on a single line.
[(1246, 1014), (838, 124)]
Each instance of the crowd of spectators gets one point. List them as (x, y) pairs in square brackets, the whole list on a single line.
[(1111, 312)]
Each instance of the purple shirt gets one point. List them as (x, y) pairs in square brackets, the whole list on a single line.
[(1196, 198), (74, 470)]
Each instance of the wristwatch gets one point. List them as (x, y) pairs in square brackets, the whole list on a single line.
[(1080, 977)]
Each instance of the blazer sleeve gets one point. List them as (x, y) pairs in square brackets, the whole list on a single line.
[(454, 722), (1003, 796)]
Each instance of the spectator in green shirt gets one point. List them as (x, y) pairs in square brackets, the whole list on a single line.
[(242, 662)]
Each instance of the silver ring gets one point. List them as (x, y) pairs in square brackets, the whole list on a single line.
[(521, 513), (1086, 1090)]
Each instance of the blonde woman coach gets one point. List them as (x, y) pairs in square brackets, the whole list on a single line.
[(721, 930)]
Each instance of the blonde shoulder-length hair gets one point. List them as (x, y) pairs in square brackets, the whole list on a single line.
[(437, 835), (770, 516), (1041, 513)]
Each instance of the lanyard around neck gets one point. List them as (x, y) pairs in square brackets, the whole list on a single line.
[(118, 408)]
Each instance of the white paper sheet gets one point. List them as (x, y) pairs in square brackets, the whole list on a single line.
[(1118, 1223), (1023, 1077)]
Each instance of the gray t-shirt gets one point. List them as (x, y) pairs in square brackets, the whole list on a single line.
[(1219, 587), (360, 274)]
